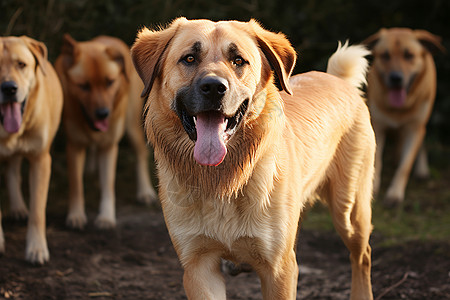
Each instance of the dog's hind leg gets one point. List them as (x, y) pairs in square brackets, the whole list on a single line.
[(145, 192), (349, 196), (422, 170), (18, 209)]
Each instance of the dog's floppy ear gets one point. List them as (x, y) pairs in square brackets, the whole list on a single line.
[(118, 57), (148, 50), (39, 51), (430, 41), (278, 51), (69, 50)]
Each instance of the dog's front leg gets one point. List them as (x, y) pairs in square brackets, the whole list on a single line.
[(203, 279), (413, 138), (39, 177), (76, 156), (18, 209), (280, 281), (107, 159)]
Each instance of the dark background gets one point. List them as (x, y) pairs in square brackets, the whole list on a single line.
[(313, 26)]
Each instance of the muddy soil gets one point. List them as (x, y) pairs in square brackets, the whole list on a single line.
[(137, 261)]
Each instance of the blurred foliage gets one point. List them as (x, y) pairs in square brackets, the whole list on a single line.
[(313, 26)]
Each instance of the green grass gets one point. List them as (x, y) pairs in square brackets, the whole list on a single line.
[(424, 215)]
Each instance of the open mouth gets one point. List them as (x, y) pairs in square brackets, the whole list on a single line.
[(211, 131), (189, 122), (11, 115), (101, 125)]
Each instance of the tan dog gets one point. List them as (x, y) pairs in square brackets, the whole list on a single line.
[(30, 112), (401, 92), (238, 160), (101, 92)]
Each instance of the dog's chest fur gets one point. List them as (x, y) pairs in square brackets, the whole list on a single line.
[(223, 220), (23, 142)]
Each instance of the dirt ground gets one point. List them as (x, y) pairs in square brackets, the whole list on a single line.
[(137, 261)]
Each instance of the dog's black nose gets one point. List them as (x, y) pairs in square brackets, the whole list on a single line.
[(395, 79), (9, 88), (213, 87), (102, 113)]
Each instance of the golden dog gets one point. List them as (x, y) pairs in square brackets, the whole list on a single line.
[(101, 92), (31, 101), (401, 92), (238, 160)]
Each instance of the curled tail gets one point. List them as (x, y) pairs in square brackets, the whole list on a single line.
[(349, 63)]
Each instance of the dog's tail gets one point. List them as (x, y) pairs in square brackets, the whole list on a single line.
[(349, 63)]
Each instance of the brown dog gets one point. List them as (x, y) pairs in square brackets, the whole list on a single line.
[(401, 92), (101, 92), (238, 160), (30, 111)]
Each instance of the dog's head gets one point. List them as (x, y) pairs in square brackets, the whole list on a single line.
[(399, 58), (95, 74), (20, 59), (209, 73)]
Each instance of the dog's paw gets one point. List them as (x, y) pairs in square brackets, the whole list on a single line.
[(37, 252), (392, 201), (422, 174), (105, 223), (19, 213), (148, 197), (76, 220), (394, 197)]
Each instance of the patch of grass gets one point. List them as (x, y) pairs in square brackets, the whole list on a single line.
[(424, 215)]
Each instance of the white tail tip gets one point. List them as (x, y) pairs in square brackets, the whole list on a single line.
[(349, 63)]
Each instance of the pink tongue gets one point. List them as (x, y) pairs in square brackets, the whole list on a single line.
[(397, 97), (101, 125), (210, 148), (12, 116)]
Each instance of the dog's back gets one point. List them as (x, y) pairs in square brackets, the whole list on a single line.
[(327, 108)]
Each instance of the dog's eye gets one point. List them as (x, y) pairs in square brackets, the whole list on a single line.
[(189, 59), (109, 82), (385, 56), (21, 64), (239, 61), (408, 55), (85, 86)]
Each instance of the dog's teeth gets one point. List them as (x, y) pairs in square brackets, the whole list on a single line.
[(195, 120)]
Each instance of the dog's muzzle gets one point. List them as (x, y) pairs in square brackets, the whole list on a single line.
[(9, 91), (11, 110), (395, 80), (208, 117)]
